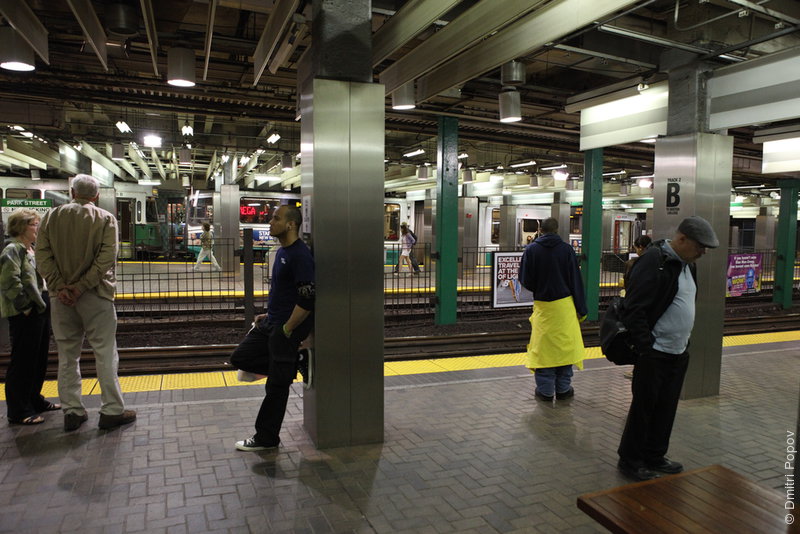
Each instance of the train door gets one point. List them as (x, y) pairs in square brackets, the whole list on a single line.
[(622, 236), (125, 218), (176, 225)]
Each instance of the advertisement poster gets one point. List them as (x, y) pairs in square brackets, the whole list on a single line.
[(507, 292), (744, 275)]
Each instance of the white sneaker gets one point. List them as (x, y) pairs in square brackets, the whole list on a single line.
[(247, 376), (251, 445)]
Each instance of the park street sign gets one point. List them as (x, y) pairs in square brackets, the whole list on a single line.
[(10, 205)]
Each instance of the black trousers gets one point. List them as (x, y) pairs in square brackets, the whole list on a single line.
[(657, 382), (265, 350), (30, 343)]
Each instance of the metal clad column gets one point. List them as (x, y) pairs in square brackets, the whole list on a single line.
[(693, 177), (446, 222), (592, 228), (786, 244), (227, 221), (342, 144)]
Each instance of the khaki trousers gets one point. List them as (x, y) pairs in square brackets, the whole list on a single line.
[(95, 318)]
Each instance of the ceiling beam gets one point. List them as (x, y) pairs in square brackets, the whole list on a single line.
[(125, 164), (212, 165), (414, 17), (545, 25), (475, 24), (11, 161), (92, 29), (276, 25), (40, 153), (152, 35), (157, 161), (139, 161), (212, 12), (20, 16), (90, 152)]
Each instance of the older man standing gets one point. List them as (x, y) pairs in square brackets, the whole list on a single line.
[(659, 313), (76, 252)]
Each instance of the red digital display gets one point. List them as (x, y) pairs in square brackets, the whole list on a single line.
[(247, 210)]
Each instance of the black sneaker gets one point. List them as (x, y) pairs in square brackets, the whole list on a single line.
[(567, 394), (541, 396), (251, 445), (304, 366)]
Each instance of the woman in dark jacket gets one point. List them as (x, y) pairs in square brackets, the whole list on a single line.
[(24, 302)]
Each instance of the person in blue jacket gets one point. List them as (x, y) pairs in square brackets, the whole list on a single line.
[(549, 269)]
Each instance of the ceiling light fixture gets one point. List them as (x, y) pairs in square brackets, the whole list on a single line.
[(615, 173), (180, 67), (149, 182), (422, 172), (525, 164), (15, 53), (187, 129), (403, 97), (463, 155), (152, 141), (560, 175), (534, 180), (553, 167), (413, 153), (468, 176), (644, 183), (123, 127), (273, 138), (510, 105)]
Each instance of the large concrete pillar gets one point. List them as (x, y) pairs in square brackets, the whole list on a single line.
[(342, 130), (693, 170)]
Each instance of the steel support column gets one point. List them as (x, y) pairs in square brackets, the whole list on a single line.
[(592, 228), (786, 244), (446, 223), (342, 144)]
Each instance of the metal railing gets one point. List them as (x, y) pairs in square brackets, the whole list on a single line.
[(152, 290)]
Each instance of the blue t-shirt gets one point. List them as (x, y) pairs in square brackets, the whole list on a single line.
[(292, 282)]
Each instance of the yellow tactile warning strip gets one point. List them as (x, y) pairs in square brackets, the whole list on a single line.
[(217, 379)]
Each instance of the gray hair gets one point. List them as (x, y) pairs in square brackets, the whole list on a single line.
[(85, 186)]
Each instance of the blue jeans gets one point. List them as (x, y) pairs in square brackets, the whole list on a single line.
[(553, 379)]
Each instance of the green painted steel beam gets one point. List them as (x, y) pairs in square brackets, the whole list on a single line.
[(446, 224), (592, 229), (786, 244)]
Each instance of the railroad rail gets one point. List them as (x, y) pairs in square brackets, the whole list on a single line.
[(182, 359)]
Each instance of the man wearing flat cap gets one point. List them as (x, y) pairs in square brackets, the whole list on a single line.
[(658, 311)]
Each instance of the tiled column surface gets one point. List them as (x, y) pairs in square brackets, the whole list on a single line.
[(473, 453)]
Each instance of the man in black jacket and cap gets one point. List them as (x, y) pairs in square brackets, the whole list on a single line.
[(659, 313)]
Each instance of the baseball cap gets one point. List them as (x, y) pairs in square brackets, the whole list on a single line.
[(700, 230)]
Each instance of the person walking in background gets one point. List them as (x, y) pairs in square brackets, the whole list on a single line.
[(270, 348), (24, 301), (549, 269), (639, 246), (407, 242), (207, 249), (77, 254), (659, 313)]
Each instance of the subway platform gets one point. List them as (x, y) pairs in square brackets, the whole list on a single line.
[(467, 450)]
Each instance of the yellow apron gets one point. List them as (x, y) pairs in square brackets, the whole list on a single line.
[(556, 338)]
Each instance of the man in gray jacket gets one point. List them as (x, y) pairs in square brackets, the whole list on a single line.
[(76, 253)]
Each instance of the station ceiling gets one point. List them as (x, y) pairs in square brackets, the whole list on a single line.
[(76, 95)]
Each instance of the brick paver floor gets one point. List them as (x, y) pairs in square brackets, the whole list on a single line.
[(463, 452)]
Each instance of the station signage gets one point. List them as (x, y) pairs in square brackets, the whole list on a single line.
[(10, 205)]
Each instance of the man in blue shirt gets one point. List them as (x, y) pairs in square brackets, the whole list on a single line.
[(659, 313), (270, 347)]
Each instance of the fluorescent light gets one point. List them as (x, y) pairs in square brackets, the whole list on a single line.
[(413, 153), (463, 155), (149, 182), (749, 186), (526, 164), (17, 127), (123, 127), (152, 141), (187, 129), (273, 138), (616, 173), (26, 133), (553, 167)]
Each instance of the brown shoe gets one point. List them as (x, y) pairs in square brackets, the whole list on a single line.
[(73, 421), (113, 421)]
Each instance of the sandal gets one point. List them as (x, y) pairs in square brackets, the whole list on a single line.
[(32, 420), (51, 407)]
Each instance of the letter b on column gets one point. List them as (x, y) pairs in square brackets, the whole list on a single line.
[(673, 198)]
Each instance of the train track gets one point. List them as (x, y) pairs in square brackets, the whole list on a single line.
[(182, 359)]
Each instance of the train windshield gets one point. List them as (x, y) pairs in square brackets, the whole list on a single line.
[(151, 211), (257, 210), (391, 222), (22, 193), (201, 209), (59, 198)]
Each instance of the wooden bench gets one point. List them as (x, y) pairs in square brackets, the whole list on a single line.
[(712, 499)]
